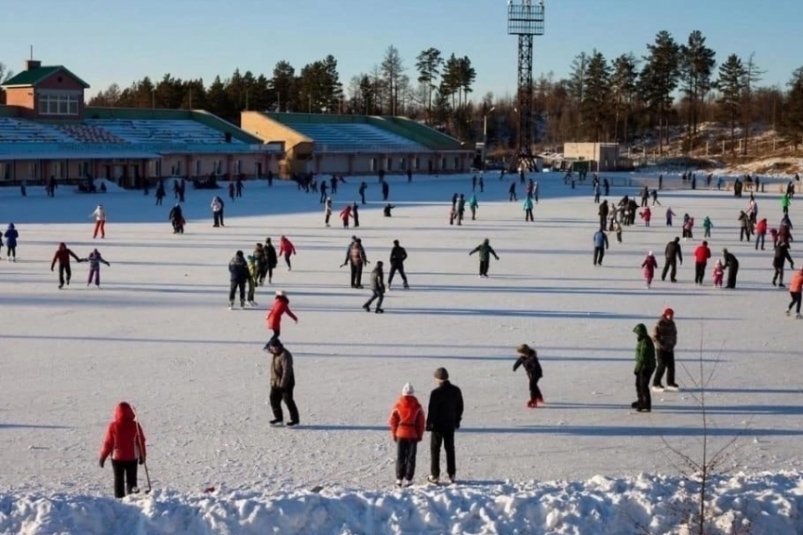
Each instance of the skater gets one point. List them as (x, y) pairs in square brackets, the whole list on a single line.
[(160, 193), (385, 190), (512, 192), (231, 190), (11, 236), (528, 358), (600, 240), (485, 251), (238, 186), (409, 175), (271, 260), (761, 233), (386, 210), (176, 217), (688, 227), (673, 256), (253, 276), (646, 215), (779, 260), (345, 214), (745, 226), (355, 215), (701, 255), (125, 442), (378, 289), (649, 266), (217, 211), (238, 275), (95, 260), (669, 215), (473, 204), (282, 383), (617, 228), (62, 256), (645, 195), (707, 226), (407, 424), (482, 184), (327, 211), (280, 307), (361, 191), (602, 212), (795, 287), (645, 365), (355, 257), (286, 249), (100, 221), (654, 196), (733, 268), (461, 208), (397, 257), (665, 337), (718, 274), (443, 417), (527, 206)]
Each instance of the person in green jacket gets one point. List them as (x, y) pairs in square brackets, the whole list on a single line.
[(645, 365), (473, 205), (707, 226), (527, 206), (785, 202), (485, 251)]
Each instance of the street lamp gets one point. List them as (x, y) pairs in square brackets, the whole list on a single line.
[(485, 133)]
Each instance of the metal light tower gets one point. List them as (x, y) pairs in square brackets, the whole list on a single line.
[(525, 18)]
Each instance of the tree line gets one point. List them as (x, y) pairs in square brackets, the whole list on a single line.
[(625, 99)]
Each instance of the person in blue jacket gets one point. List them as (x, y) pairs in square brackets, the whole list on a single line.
[(600, 244), (11, 242), (528, 208)]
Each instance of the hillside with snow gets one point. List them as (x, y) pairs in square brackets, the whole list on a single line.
[(158, 334)]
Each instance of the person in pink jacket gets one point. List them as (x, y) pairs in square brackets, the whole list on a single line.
[(281, 306), (646, 215), (286, 249), (718, 274), (649, 265)]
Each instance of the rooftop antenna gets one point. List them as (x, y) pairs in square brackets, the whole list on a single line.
[(525, 18)]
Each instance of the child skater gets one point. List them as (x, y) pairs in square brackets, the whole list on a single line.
[(649, 265), (719, 273), (95, 260), (407, 427), (529, 359)]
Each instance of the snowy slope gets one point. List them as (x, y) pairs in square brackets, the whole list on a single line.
[(158, 334)]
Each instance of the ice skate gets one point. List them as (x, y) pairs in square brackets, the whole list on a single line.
[(672, 388), (399, 483), (276, 421), (657, 388), (432, 479)]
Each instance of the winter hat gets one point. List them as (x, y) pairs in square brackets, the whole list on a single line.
[(395, 242), (441, 374), (650, 253), (524, 349), (273, 344), (668, 313), (280, 293), (240, 254), (408, 390)]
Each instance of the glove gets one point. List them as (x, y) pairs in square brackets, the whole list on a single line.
[(395, 439), (343, 264), (457, 426), (142, 460), (101, 462)]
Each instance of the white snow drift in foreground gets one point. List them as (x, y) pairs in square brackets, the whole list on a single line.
[(763, 504), (159, 335)]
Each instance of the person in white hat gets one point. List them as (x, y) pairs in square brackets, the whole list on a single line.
[(407, 428)]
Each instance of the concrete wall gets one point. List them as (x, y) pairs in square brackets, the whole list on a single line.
[(606, 154)]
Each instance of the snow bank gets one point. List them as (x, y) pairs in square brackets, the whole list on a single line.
[(767, 503)]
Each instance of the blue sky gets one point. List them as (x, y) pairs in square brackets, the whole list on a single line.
[(112, 41)]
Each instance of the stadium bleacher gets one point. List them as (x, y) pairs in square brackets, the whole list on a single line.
[(88, 133), (334, 137), (21, 131), (162, 131)]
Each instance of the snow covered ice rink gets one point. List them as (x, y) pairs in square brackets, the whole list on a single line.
[(158, 334)]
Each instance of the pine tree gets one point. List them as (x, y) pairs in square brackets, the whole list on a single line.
[(731, 85), (284, 84), (429, 63), (697, 65), (659, 78), (392, 70), (576, 87), (596, 96), (792, 122), (624, 84)]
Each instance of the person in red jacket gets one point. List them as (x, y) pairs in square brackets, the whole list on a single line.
[(649, 265), (646, 215), (761, 232), (795, 292), (125, 442), (62, 256), (281, 306), (407, 428), (286, 249), (701, 255), (345, 214)]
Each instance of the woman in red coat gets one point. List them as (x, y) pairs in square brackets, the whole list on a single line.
[(650, 264), (281, 306), (407, 427), (125, 442), (286, 249)]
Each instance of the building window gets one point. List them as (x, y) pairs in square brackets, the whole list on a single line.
[(417, 163), (220, 167), (197, 167), (443, 163), (238, 167), (456, 163), (403, 163), (178, 168), (58, 104), (373, 164), (390, 164)]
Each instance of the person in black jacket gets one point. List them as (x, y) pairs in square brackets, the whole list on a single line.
[(397, 257), (176, 217), (238, 275), (271, 259), (779, 260), (443, 417), (733, 268), (528, 358), (673, 255)]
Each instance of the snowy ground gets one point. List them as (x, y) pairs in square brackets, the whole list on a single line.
[(158, 334)]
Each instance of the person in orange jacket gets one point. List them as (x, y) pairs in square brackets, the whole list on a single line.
[(286, 248), (281, 306), (795, 291), (125, 442), (407, 428)]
